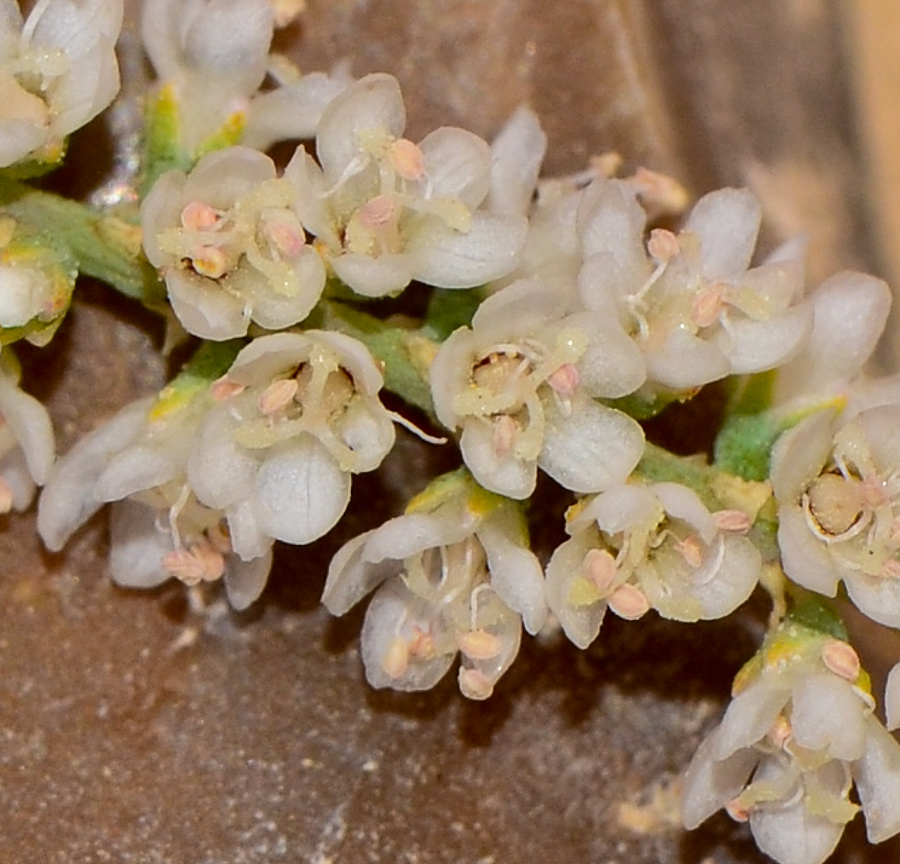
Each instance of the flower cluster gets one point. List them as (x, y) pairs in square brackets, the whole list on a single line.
[(797, 736), (456, 577), (550, 319)]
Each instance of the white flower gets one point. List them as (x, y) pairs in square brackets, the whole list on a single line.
[(521, 381), (212, 56), (838, 490), (389, 211), (634, 548), (26, 443), (791, 744), (298, 414), (229, 243), (136, 462), (58, 70), (455, 576), (696, 310)]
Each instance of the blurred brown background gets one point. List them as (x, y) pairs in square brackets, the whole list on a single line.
[(135, 729)]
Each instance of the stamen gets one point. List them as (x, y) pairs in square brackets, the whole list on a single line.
[(780, 732), (565, 380), (504, 435), (6, 497), (707, 305), (629, 602), (691, 549), (840, 658), (377, 213), (209, 261), (277, 396), (474, 684), (396, 659), (600, 568), (407, 159), (663, 245), (478, 644), (733, 521), (736, 810), (198, 216), (224, 388)]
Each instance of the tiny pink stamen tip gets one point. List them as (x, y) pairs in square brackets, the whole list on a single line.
[(407, 159), (476, 683), (209, 261), (600, 568), (691, 550), (504, 435), (565, 380), (182, 565), (224, 388), (288, 240), (663, 244), (6, 497), (396, 659), (478, 644), (210, 560), (736, 811), (277, 396), (840, 658), (422, 645), (706, 306), (735, 521), (377, 213), (629, 602), (198, 216)]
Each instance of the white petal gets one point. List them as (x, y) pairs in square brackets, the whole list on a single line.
[(374, 277), (204, 308), (516, 156), (274, 310), (506, 475), (68, 499), (136, 469), (396, 611), (30, 423), (446, 258), (849, 314), (248, 540), (350, 577), (727, 222), (892, 697), (372, 104), (754, 346), (828, 715), (791, 835), (137, 546), (710, 783), (219, 471), (799, 455), (613, 365), (457, 165), (611, 221), (300, 491), (580, 623), (592, 449), (411, 534), (516, 574), (877, 776), (245, 580), (875, 596), (805, 558), (683, 361), (751, 714)]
